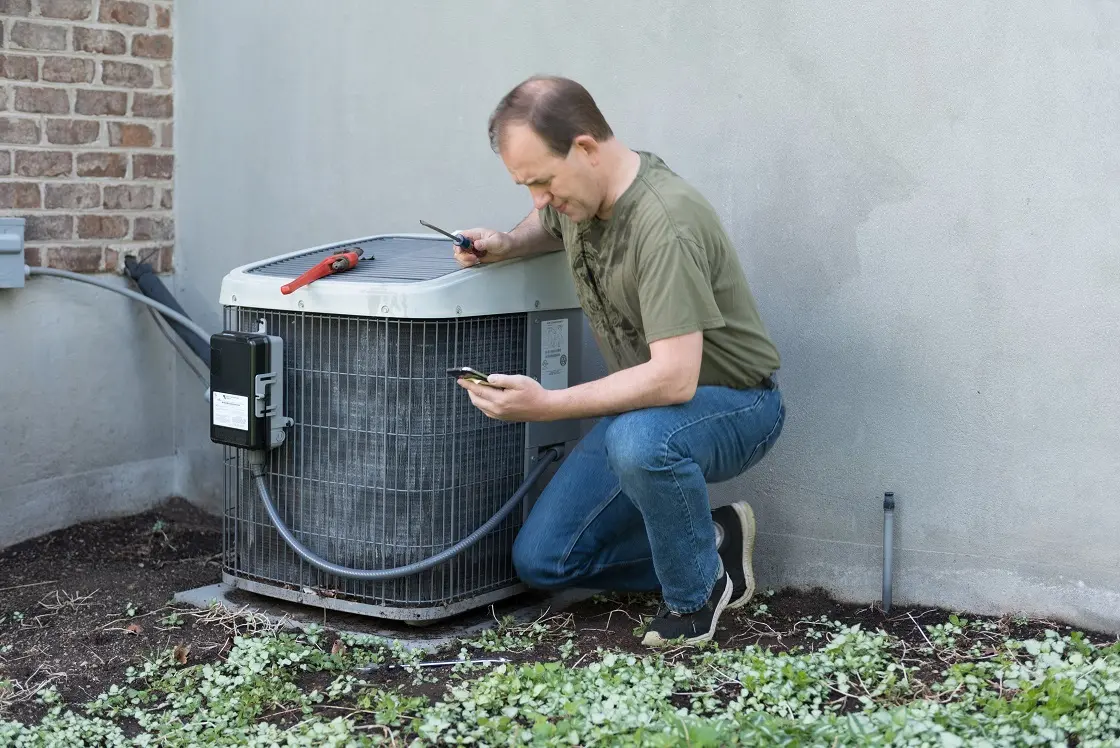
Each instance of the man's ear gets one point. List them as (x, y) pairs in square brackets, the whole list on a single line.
[(589, 146)]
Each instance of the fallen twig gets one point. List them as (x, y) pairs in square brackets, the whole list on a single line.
[(923, 633), (31, 584), (64, 600)]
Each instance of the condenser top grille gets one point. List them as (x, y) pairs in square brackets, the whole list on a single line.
[(404, 276), (389, 259)]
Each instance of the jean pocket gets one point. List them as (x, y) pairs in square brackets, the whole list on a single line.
[(763, 447)]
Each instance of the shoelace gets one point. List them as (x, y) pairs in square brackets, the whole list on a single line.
[(664, 612)]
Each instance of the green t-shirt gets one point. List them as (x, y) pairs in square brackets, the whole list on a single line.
[(660, 266)]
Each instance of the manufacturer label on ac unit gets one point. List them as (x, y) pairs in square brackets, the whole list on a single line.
[(554, 354), (230, 411)]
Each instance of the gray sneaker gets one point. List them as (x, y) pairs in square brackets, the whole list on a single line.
[(735, 536)]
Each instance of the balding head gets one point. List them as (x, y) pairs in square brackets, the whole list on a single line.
[(557, 109)]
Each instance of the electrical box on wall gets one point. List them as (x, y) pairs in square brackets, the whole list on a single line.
[(11, 252)]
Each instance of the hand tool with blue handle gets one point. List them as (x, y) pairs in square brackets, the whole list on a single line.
[(462, 242)]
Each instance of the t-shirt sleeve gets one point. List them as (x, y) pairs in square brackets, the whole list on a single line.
[(674, 289), (550, 220)]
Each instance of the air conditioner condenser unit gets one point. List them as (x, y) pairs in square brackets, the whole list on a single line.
[(351, 454)]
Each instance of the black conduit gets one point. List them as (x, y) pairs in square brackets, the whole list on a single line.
[(151, 286), (257, 470)]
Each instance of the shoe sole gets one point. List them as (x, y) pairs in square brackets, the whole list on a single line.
[(653, 639), (746, 521)]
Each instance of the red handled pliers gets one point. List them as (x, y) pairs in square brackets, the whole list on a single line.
[(336, 263)]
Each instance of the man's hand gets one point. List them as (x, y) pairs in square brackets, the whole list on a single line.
[(492, 245), (512, 398), (527, 238)]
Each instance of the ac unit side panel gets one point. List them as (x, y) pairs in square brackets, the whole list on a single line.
[(405, 277), (555, 353)]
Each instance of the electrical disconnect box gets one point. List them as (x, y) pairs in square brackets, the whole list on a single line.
[(11, 252), (247, 389)]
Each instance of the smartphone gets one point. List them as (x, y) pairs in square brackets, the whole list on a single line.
[(469, 373)]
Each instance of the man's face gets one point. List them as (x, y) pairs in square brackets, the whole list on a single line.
[(566, 183)]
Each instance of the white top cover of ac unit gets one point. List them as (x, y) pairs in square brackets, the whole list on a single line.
[(413, 276)]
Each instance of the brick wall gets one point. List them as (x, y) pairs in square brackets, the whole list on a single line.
[(86, 130)]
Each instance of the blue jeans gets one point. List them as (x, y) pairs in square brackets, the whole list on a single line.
[(628, 510)]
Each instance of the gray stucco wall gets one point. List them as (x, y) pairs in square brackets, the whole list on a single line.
[(88, 395), (925, 197)]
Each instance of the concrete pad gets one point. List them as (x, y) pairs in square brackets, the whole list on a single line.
[(431, 638)]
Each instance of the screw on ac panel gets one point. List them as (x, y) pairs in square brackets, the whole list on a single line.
[(537, 304), (301, 303), (384, 308), (458, 310), (234, 299)]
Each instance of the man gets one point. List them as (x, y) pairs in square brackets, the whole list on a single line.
[(688, 399)]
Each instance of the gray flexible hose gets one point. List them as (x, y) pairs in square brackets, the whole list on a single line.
[(161, 308), (174, 341), (257, 469)]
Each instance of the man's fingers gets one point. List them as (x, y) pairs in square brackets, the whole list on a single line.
[(483, 397), (475, 399), (482, 404), (476, 389), (480, 242), (504, 381), (465, 259)]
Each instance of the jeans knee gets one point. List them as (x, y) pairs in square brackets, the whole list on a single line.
[(633, 448), (532, 565)]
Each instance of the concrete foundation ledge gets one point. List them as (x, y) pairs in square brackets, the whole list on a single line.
[(33, 509), (435, 637), (983, 585)]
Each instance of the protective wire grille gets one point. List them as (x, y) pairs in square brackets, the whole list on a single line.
[(388, 462), (387, 259)]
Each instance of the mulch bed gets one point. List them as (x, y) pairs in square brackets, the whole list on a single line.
[(79, 606), (92, 596)]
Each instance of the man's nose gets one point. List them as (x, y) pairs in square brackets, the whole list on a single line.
[(541, 199)]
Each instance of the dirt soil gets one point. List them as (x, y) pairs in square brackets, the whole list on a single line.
[(79, 606)]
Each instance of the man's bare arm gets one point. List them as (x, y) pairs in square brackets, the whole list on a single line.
[(529, 237), (525, 239), (671, 376)]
